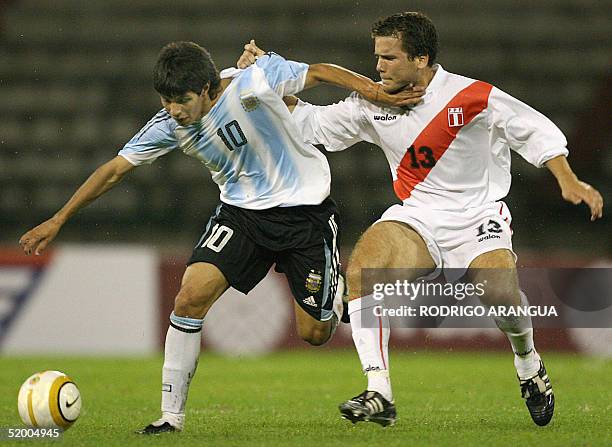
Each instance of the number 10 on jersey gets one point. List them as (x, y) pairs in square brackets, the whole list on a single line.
[(232, 135)]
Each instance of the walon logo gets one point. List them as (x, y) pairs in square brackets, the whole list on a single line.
[(386, 117)]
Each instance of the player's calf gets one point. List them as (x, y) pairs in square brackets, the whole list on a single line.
[(311, 330), (202, 284), (317, 335), (317, 332)]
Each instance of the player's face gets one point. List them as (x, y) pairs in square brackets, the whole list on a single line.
[(396, 68), (185, 109)]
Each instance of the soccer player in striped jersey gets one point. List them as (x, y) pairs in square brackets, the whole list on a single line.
[(450, 162), (274, 195)]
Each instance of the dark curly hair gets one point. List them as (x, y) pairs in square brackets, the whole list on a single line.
[(183, 67), (416, 31)]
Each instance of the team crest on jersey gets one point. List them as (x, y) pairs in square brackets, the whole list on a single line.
[(455, 116), (313, 282), (249, 102)]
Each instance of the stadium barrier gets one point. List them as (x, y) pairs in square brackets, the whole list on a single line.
[(80, 300), (86, 299), (263, 321)]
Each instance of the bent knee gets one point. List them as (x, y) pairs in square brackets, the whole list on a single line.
[(372, 249), (501, 297), (316, 336), (370, 252), (192, 303), (500, 292), (391, 244)]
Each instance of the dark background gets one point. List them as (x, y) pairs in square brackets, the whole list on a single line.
[(75, 82)]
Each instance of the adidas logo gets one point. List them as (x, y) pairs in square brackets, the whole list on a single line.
[(310, 301)]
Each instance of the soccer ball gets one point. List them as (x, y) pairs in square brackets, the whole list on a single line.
[(49, 399)]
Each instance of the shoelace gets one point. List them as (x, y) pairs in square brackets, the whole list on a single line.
[(530, 389)]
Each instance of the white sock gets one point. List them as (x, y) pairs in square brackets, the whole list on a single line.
[(520, 334), (338, 306), (176, 420), (371, 338), (181, 354), (527, 365)]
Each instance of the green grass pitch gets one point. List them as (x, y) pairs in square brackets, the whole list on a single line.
[(291, 399)]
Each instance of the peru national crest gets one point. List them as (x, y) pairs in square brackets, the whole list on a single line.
[(455, 116)]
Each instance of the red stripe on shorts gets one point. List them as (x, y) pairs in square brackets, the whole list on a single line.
[(380, 342)]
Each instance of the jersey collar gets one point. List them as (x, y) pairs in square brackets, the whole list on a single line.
[(436, 83)]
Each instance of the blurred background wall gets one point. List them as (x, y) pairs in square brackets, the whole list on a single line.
[(75, 82)]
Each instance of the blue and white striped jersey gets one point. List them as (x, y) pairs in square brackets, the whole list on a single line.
[(248, 140)]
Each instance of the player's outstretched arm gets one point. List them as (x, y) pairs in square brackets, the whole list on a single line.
[(342, 77), (370, 90), (572, 189), (103, 179)]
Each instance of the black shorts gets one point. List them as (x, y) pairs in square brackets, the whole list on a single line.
[(302, 241)]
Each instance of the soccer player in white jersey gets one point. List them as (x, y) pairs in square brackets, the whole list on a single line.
[(274, 192), (450, 161)]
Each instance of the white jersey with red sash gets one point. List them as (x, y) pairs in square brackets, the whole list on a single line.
[(450, 152)]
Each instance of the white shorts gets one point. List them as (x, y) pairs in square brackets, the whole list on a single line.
[(456, 238)]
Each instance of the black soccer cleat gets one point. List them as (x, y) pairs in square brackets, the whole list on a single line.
[(340, 304), (369, 406), (153, 429), (345, 315), (539, 397)]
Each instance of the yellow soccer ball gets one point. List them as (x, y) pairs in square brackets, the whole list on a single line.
[(49, 399)]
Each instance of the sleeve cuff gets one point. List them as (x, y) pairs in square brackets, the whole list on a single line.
[(550, 155)]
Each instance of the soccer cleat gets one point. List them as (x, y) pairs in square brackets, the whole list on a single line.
[(345, 315), (153, 429), (369, 406), (539, 398), (341, 300), (160, 426)]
